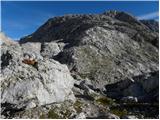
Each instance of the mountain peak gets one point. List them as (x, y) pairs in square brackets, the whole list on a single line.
[(122, 16)]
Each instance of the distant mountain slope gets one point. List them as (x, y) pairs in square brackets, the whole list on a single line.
[(105, 47), (70, 26), (152, 24)]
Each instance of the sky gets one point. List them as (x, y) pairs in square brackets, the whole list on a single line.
[(21, 18)]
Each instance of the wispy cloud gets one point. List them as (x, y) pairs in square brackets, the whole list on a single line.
[(152, 15)]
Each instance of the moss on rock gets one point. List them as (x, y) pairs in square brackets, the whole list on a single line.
[(105, 101), (78, 106), (53, 115), (119, 112)]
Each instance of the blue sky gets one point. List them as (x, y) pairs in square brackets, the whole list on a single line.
[(20, 18)]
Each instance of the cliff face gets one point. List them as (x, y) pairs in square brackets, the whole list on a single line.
[(84, 59)]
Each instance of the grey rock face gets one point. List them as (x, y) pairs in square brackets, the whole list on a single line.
[(152, 24), (81, 116), (32, 50), (31, 47), (143, 88), (49, 49), (26, 86), (105, 60), (106, 48), (122, 16)]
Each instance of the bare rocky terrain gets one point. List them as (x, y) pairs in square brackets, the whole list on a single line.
[(5, 39), (83, 66)]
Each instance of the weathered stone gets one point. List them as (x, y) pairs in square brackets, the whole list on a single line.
[(25, 87), (112, 116), (129, 99), (129, 117), (49, 49), (81, 116), (143, 87), (152, 24)]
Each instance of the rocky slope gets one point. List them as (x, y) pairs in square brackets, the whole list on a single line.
[(152, 24), (5, 39), (111, 58), (105, 48)]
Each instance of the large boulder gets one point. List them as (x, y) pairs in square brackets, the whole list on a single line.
[(34, 48), (50, 49), (25, 85), (144, 88)]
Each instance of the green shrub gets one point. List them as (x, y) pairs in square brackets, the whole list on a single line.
[(53, 115), (105, 101), (78, 106), (119, 112)]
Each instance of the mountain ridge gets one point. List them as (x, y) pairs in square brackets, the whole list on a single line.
[(67, 20)]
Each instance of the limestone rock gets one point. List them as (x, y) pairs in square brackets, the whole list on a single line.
[(32, 48), (143, 88), (26, 86), (112, 116), (129, 117), (49, 49), (81, 116)]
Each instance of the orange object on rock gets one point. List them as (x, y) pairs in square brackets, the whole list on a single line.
[(29, 62)]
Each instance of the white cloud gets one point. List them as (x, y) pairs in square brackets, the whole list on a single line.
[(149, 15)]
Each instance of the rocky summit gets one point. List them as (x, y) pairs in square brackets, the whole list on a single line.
[(83, 66)]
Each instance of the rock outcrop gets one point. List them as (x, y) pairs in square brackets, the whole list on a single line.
[(26, 85), (142, 88)]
